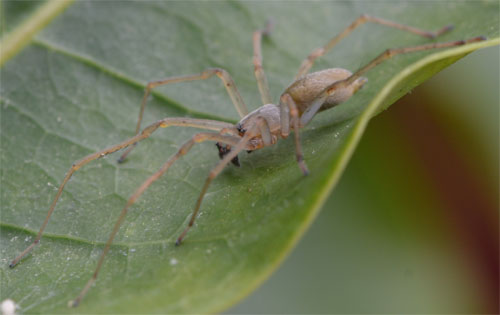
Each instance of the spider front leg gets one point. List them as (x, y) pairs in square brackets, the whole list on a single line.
[(259, 125), (184, 149), (186, 122), (226, 79), (289, 112), (309, 61)]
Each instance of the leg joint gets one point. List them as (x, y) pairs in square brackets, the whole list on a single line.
[(364, 17), (131, 200), (336, 86), (199, 137), (318, 52), (151, 128), (212, 174), (210, 72), (389, 52), (218, 72), (185, 148)]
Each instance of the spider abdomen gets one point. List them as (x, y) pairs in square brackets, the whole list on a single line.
[(305, 89)]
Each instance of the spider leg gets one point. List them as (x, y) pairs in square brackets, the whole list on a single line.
[(387, 54), (287, 101), (241, 145), (257, 62), (221, 73), (190, 122), (184, 149), (265, 131), (309, 61), (216, 125)]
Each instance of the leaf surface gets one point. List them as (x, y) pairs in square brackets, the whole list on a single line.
[(76, 89)]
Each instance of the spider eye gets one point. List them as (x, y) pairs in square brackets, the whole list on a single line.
[(240, 129)]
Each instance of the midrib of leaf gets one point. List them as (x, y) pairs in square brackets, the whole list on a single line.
[(21, 36), (350, 144), (81, 240), (125, 79)]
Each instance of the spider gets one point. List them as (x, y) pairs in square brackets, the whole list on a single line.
[(307, 95)]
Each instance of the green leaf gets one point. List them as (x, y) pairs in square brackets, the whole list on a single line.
[(76, 89)]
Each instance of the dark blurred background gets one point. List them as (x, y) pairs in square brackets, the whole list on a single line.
[(412, 227)]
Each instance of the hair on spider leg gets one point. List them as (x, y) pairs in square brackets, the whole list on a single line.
[(307, 95)]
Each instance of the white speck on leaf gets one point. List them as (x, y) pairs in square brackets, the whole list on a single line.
[(8, 307)]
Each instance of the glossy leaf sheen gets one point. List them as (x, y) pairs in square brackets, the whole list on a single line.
[(76, 89)]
